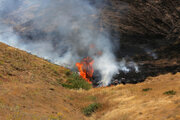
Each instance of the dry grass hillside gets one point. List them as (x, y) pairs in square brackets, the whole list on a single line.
[(157, 98), (31, 89)]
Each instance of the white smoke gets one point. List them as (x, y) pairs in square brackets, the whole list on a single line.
[(59, 30), (151, 53), (127, 66)]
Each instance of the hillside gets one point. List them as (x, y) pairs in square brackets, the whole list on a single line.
[(146, 32), (142, 34), (149, 33), (142, 25), (30, 90)]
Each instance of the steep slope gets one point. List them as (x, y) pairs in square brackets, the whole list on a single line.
[(142, 24), (30, 90), (143, 31), (148, 31), (30, 87)]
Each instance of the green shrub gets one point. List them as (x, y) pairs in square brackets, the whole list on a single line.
[(76, 82), (146, 89), (170, 92), (90, 109)]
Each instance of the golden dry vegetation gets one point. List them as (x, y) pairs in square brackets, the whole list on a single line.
[(30, 89), (142, 101)]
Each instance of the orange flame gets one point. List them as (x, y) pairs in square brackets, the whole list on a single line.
[(85, 68)]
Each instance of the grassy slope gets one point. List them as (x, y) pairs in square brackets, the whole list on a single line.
[(30, 90), (132, 102)]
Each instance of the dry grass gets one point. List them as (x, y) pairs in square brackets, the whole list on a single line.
[(131, 102), (34, 85), (30, 90)]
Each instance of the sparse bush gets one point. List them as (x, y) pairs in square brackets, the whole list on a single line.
[(170, 92), (76, 82), (146, 89), (68, 73), (90, 109)]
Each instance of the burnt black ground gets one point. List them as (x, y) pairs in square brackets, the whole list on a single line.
[(146, 70), (167, 61)]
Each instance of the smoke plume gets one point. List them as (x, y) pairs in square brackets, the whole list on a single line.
[(63, 31)]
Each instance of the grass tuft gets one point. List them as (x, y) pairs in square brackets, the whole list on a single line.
[(90, 109), (170, 92), (146, 89)]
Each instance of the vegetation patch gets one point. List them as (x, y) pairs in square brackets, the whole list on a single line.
[(56, 117), (68, 73), (146, 89), (90, 109), (170, 92), (76, 82)]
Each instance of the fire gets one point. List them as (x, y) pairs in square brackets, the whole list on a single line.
[(85, 68)]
